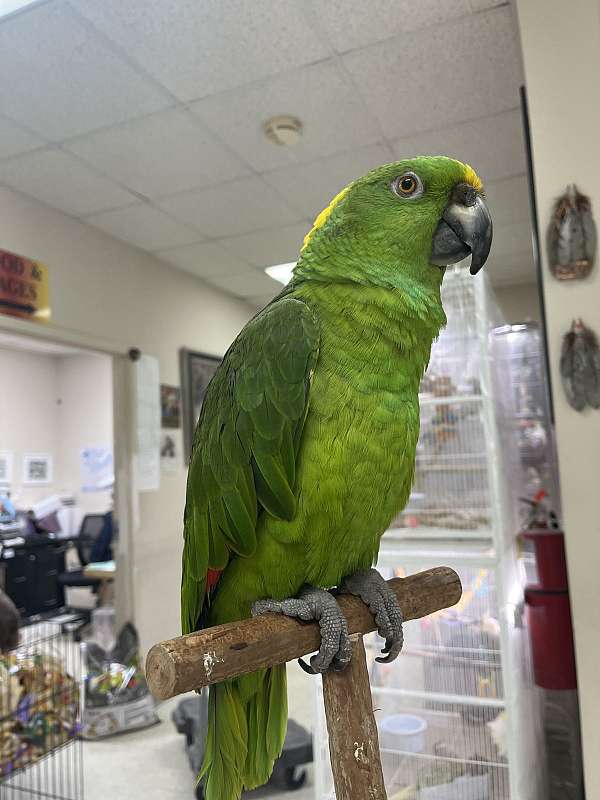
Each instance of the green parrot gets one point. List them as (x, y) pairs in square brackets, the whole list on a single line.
[(305, 446)]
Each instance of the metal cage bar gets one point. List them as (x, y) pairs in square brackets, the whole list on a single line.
[(41, 702)]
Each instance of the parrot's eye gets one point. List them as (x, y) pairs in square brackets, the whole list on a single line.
[(408, 186)]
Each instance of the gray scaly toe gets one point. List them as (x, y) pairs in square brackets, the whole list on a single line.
[(374, 591), (315, 604)]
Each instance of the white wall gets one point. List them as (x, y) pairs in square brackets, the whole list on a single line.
[(104, 288), (56, 405), (84, 419), (519, 303), (561, 53), (28, 414)]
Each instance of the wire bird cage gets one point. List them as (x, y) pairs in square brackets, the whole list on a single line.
[(451, 492), (454, 709), (523, 413), (40, 707), (457, 712)]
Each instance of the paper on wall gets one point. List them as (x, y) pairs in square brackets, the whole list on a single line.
[(96, 468), (170, 451), (147, 423)]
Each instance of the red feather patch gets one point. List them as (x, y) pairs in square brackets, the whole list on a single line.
[(212, 578)]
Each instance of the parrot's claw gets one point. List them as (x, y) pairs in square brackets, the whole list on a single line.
[(315, 604), (374, 591)]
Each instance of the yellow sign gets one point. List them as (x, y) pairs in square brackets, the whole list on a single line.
[(23, 287)]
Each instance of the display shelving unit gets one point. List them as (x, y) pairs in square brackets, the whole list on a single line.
[(463, 678)]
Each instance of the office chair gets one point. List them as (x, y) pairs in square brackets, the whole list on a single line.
[(93, 544)]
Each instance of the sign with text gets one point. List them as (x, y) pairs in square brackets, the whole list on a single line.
[(23, 287)]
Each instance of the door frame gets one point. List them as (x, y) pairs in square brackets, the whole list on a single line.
[(125, 498)]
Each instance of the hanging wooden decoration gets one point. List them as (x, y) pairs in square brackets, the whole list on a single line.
[(572, 236), (580, 367)]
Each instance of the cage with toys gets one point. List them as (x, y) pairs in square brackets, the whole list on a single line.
[(40, 716)]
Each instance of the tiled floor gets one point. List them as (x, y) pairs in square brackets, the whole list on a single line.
[(152, 763)]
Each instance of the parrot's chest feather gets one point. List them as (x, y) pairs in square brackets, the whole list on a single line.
[(357, 460)]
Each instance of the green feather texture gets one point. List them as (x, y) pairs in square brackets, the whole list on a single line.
[(305, 447)]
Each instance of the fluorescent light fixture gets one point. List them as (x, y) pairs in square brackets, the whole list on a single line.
[(281, 272), (10, 6)]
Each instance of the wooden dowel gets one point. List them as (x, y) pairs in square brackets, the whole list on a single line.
[(353, 739), (213, 655)]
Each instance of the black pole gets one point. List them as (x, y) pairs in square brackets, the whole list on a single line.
[(535, 240)]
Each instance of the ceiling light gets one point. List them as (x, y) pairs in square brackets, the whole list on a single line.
[(281, 272), (10, 6), (284, 131)]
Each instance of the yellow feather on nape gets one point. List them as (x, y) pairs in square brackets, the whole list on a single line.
[(473, 178), (324, 216)]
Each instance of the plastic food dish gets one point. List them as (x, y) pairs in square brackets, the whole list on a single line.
[(402, 732)]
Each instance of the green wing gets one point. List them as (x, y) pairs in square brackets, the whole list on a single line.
[(243, 460)]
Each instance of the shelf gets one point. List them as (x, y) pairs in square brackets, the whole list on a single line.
[(441, 697), (473, 553), (448, 759), (450, 458), (427, 400), (424, 532), (424, 470), (455, 655)]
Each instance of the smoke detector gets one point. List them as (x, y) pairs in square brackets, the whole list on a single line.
[(284, 131)]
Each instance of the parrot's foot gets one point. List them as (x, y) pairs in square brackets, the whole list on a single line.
[(374, 591), (316, 604)]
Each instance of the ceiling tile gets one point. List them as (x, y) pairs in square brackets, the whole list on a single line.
[(58, 179), (508, 200), (61, 80), (200, 48), (470, 142), (144, 226), (232, 208), (15, 140), (333, 116), (310, 187), (161, 154), (205, 259), (248, 284), (445, 75), (350, 24), (274, 246)]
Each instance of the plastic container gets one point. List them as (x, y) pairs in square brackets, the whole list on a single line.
[(403, 732), (466, 787), (104, 625), (551, 631), (550, 558)]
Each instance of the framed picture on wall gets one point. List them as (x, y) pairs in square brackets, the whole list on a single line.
[(197, 370), (37, 469), (6, 467), (170, 406)]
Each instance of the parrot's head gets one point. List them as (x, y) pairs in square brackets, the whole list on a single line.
[(402, 222)]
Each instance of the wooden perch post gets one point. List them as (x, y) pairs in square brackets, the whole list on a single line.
[(216, 654)]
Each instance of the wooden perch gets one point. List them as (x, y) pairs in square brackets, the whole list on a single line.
[(226, 651), (213, 655), (353, 738)]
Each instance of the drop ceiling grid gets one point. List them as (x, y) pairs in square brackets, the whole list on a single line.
[(130, 149)]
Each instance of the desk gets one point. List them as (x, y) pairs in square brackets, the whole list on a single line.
[(104, 572), (29, 570)]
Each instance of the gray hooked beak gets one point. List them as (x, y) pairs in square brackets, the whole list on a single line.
[(465, 227)]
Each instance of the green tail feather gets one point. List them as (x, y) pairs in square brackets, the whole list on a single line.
[(247, 722)]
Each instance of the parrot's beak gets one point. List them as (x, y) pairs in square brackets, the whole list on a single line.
[(465, 228)]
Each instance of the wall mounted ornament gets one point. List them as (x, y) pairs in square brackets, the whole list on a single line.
[(580, 367), (572, 236)]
